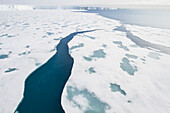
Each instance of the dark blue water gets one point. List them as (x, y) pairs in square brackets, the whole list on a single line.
[(44, 86)]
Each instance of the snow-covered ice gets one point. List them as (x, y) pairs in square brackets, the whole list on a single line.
[(111, 73)]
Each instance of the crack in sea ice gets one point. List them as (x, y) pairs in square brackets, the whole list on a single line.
[(44, 86), (143, 43)]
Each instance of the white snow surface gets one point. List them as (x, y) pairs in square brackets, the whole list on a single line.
[(25, 37)]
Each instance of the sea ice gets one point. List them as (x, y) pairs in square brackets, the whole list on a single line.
[(35, 36)]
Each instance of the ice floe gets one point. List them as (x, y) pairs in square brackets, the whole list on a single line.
[(98, 58)]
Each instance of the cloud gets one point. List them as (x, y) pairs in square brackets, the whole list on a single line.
[(86, 2)]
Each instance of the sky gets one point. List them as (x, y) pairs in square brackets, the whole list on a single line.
[(87, 2)]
